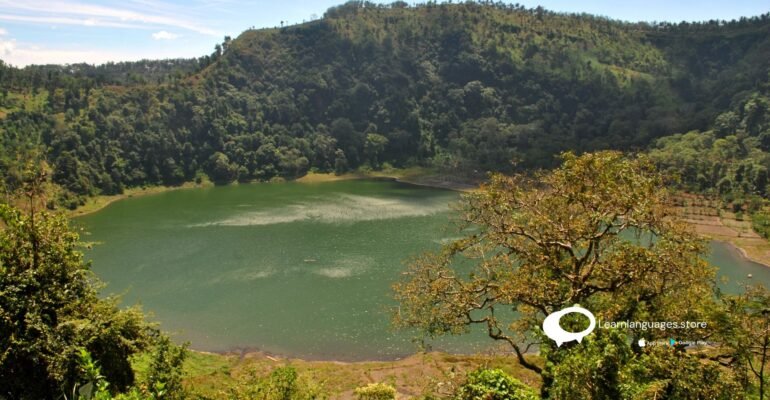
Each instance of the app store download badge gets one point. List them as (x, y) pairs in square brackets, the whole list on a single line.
[(553, 330)]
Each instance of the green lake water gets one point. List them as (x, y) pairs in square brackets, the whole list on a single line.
[(294, 269)]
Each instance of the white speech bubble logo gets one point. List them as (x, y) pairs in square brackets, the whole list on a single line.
[(553, 330)]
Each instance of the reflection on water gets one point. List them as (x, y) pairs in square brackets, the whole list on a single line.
[(336, 208)]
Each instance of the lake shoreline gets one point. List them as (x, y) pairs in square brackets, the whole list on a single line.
[(743, 253), (412, 176), (758, 248), (254, 352), (97, 203)]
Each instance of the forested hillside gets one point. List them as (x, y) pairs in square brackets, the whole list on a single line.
[(731, 159), (463, 87)]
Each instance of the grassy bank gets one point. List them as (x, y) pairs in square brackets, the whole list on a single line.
[(211, 375)]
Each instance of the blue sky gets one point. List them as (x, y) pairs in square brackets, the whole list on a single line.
[(40, 32)]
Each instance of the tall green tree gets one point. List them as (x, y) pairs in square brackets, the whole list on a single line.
[(50, 311), (594, 232)]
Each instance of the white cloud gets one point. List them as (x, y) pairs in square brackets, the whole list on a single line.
[(68, 21), (22, 54), (21, 57), (6, 47), (95, 15), (167, 20), (163, 35)]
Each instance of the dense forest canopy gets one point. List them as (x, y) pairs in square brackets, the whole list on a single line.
[(462, 87)]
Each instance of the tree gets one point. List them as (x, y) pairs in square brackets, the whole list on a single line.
[(594, 232), (670, 372), (222, 170), (348, 139), (374, 147), (164, 378), (293, 164), (340, 162), (50, 311), (592, 370), (748, 332), (606, 366)]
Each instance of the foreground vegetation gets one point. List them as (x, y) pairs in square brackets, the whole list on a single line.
[(582, 234), (56, 334), (421, 375)]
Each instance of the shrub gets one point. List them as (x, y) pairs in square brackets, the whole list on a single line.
[(665, 372), (376, 391), (760, 221), (164, 378), (283, 383), (494, 384)]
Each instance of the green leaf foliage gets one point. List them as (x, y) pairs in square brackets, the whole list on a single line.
[(376, 391), (494, 384), (50, 312)]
